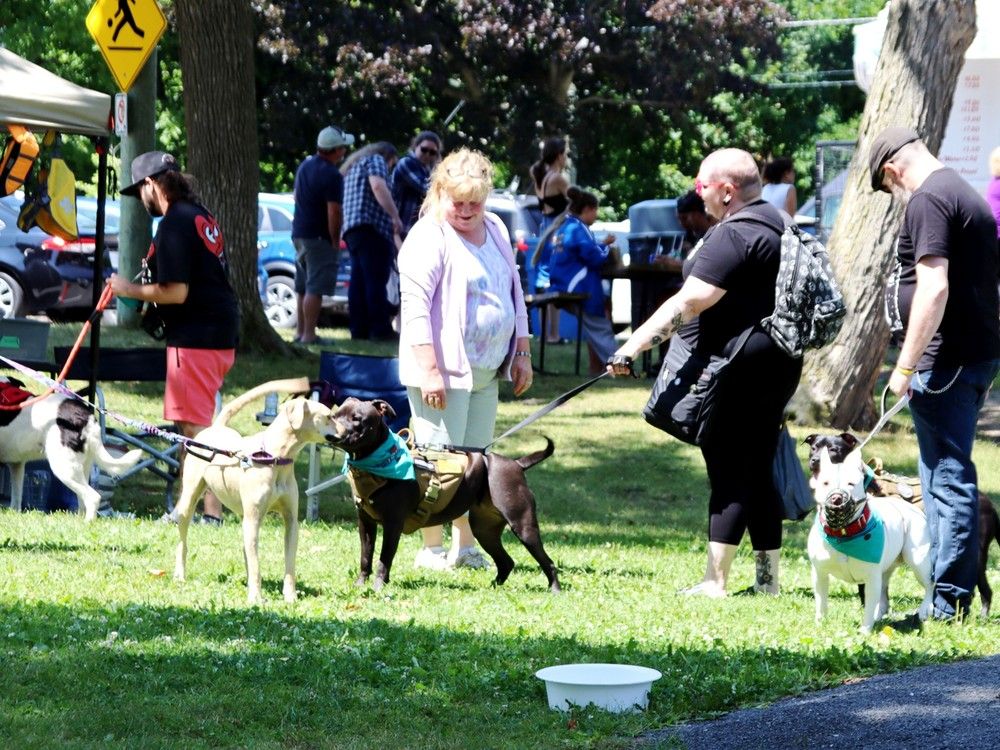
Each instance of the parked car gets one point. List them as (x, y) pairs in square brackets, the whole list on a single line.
[(521, 215), (28, 284), (276, 255), (74, 259)]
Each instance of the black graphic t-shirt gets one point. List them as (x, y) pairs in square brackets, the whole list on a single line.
[(188, 249), (947, 218)]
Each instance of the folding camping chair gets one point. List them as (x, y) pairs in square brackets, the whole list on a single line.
[(365, 377), (141, 364)]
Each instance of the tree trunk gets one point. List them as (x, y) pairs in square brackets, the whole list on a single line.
[(216, 46), (922, 55)]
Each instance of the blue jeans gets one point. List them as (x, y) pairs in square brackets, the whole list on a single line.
[(945, 406)]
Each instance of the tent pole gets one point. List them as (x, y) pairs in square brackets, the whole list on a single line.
[(101, 144)]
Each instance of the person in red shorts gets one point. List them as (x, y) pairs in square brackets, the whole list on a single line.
[(189, 284)]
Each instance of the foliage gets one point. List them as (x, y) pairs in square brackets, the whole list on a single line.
[(99, 646)]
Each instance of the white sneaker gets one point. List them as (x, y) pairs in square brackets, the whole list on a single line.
[(467, 557), (705, 588), (432, 558)]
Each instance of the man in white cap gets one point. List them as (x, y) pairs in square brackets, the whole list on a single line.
[(944, 295), (319, 197)]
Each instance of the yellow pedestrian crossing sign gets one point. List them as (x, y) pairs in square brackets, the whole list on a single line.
[(126, 32)]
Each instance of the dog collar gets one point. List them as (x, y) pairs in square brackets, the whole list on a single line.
[(263, 458), (852, 529)]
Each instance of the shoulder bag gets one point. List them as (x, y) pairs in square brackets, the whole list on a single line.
[(686, 390)]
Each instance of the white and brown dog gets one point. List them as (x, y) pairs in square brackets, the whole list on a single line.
[(859, 538), (62, 430), (252, 475)]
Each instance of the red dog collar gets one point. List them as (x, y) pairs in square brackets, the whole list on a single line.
[(854, 528)]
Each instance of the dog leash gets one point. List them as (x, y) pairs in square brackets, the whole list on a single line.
[(886, 415), (553, 404)]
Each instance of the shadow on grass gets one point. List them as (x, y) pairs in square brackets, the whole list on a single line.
[(170, 676)]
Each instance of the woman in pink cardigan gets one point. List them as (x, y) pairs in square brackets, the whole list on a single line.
[(463, 326)]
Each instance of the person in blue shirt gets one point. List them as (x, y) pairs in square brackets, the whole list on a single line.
[(575, 266)]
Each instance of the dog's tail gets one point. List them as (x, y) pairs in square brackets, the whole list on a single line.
[(112, 464), (289, 385), (526, 462)]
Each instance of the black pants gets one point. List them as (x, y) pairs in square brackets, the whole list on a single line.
[(368, 308), (739, 453)]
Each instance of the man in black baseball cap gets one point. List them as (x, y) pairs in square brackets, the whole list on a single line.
[(946, 302), (884, 147), (146, 165)]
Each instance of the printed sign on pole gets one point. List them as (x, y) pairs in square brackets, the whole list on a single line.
[(121, 114), (126, 32)]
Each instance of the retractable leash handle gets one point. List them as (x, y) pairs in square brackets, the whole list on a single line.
[(886, 415)]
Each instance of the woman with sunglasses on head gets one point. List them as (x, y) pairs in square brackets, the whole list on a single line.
[(463, 328), (412, 176), (550, 187), (729, 281)]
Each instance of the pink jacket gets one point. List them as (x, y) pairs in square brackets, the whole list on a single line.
[(432, 293)]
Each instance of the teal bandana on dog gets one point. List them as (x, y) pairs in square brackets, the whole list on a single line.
[(866, 545), (391, 460)]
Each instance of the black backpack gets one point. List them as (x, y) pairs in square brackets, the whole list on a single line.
[(809, 308)]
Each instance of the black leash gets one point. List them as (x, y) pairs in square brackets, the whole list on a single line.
[(554, 404)]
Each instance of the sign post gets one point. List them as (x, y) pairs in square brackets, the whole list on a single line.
[(126, 32)]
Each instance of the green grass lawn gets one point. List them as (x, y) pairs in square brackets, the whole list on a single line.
[(100, 647)]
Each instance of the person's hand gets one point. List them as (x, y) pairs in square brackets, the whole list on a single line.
[(119, 285), (432, 390), (397, 226), (521, 374), (608, 240), (621, 364), (899, 383)]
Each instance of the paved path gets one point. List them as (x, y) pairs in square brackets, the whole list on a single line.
[(948, 707)]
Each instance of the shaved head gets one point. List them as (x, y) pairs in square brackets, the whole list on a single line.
[(735, 166)]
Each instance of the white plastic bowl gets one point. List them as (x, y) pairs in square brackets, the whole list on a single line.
[(613, 687)]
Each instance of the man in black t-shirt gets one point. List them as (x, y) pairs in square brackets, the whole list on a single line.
[(947, 301), (190, 286)]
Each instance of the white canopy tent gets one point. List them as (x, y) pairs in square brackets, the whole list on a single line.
[(973, 128), (39, 100), (32, 96)]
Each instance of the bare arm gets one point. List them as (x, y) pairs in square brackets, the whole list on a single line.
[(173, 293), (693, 298), (926, 313), (384, 197), (334, 220)]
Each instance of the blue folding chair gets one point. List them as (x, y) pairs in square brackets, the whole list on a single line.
[(365, 377)]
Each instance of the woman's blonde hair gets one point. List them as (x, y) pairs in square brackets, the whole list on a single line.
[(995, 162), (463, 175)]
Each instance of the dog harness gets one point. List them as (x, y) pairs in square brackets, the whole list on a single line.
[(438, 474), (11, 394)]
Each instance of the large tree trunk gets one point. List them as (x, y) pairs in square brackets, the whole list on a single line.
[(922, 55), (216, 46)]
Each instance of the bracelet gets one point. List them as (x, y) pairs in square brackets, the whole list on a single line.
[(906, 370), (522, 354)]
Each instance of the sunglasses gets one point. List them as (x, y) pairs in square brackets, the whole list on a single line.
[(699, 186), (455, 172), (428, 151)]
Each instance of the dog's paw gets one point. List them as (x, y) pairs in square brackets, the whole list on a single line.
[(377, 584)]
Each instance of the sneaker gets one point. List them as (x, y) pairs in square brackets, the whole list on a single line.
[(208, 520), (167, 518), (432, 558), (467, 557)]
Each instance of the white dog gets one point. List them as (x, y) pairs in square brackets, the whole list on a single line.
[(858, 538), (258, 478), (62, 430)]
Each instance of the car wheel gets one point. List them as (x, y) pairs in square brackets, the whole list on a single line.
[(11, 296), (280, 305)]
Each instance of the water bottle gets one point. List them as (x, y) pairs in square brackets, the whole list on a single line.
[(270, 409)]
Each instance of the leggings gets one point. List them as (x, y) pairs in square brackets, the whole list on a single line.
[(739, 453)]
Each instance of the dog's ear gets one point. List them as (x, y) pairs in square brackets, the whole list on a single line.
[(295, 412), (851, 441), (810, 439), (384, 409)]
